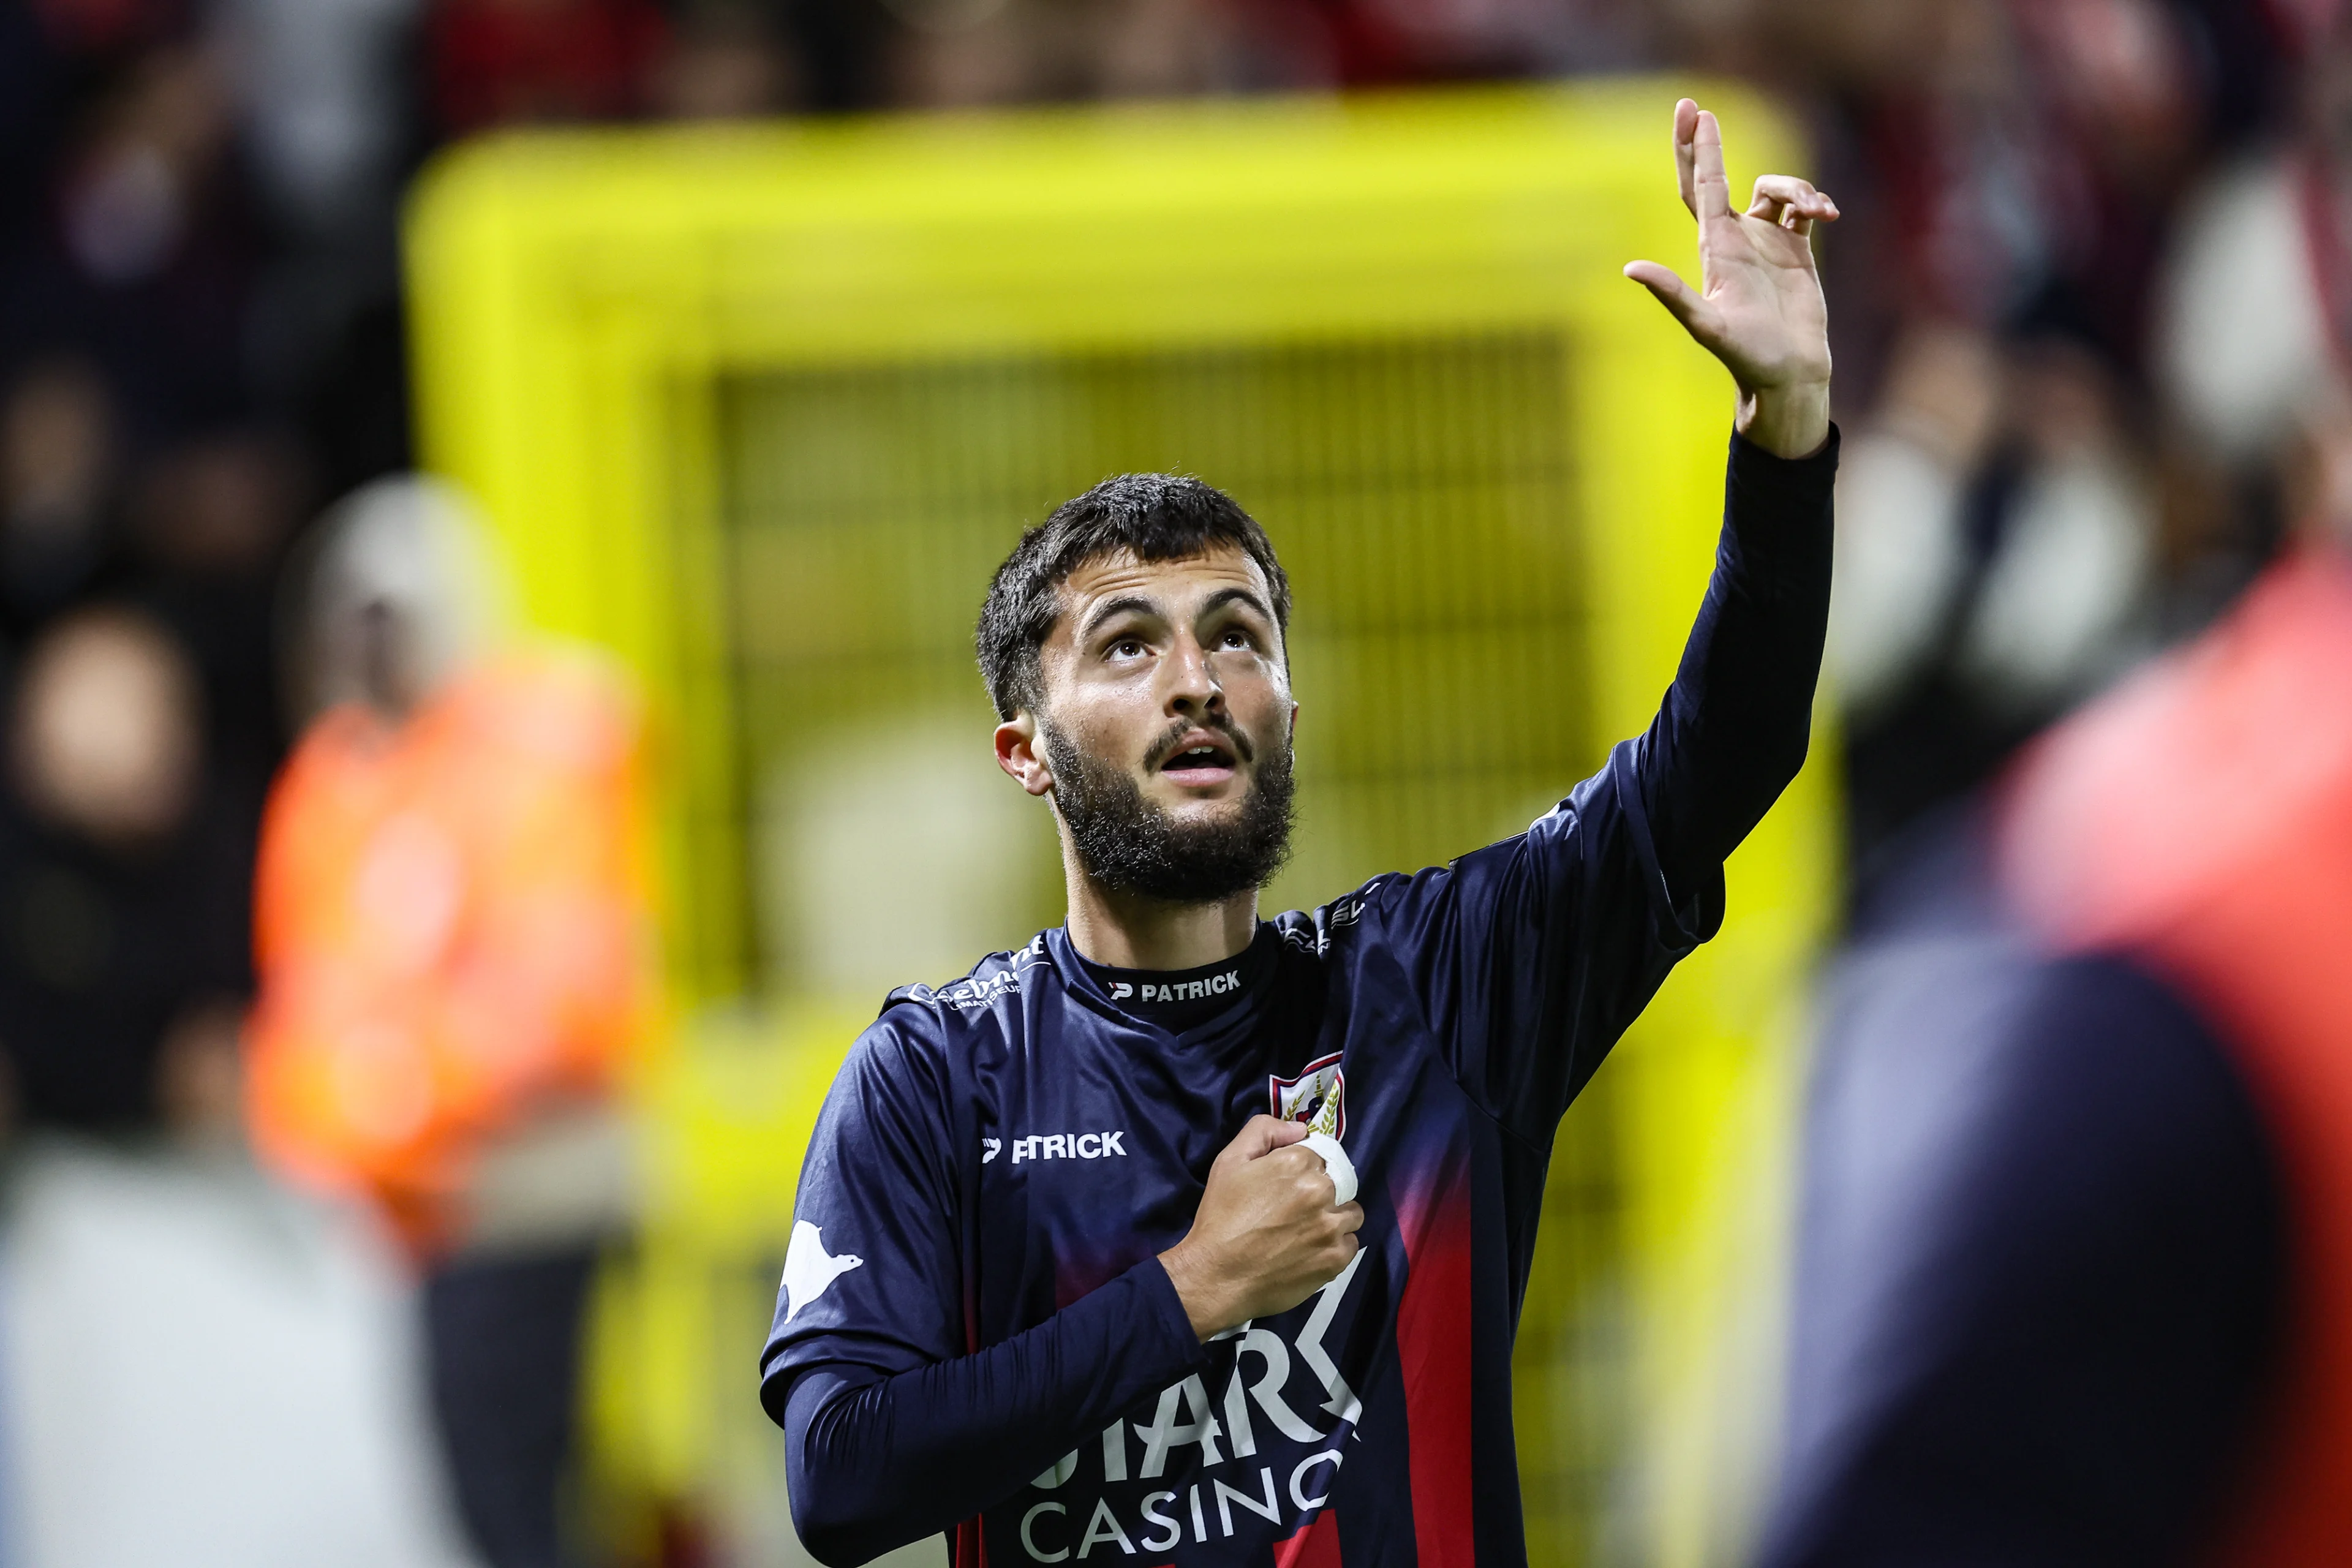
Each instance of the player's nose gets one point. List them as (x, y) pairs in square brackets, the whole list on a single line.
[(1189, 686)]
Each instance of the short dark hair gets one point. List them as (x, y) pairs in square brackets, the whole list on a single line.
[(1152, 517)]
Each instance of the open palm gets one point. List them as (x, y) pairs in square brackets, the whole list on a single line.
[(1758, 306)]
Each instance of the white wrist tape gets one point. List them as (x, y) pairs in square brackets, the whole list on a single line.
[(1334, 1161)]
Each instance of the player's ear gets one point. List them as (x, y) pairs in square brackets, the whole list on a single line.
[(1019, 754)]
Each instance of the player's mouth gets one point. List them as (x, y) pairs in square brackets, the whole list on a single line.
[(1200, 760)]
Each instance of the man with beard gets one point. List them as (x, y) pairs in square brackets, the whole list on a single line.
[(1078, 1266)]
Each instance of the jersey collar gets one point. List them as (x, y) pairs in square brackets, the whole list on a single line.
[(1257, 964)]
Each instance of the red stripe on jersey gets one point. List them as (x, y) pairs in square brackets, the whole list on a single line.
[(1315, 1545), (1433, 1329)]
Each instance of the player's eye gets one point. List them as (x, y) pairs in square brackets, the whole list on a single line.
[(1236, 638), (1127, 648)]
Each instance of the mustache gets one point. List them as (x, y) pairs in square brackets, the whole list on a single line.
[(1217, 723), (1128, 843)]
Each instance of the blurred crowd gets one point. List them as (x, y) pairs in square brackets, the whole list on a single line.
[(2076, 229), (2095, 270)]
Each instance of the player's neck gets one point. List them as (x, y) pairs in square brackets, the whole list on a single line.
[(1123, 930)]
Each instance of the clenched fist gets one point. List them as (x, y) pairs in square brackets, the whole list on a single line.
[(1267, 1234)]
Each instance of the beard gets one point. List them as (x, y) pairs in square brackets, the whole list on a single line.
[(1132, 845)]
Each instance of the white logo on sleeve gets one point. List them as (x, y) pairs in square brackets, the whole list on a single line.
[(809, 1268)]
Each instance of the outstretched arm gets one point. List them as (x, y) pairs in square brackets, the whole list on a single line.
[(1530, 957), (1732, 731)]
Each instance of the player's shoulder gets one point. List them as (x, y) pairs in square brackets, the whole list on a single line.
[(917, 1061), (970, 1001), (1327, 929), (1395, 902), (933, 1034)]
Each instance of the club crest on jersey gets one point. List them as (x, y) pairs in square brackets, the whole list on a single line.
[(1317, 1097)]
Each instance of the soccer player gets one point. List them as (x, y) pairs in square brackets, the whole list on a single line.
[(1065, 1278)]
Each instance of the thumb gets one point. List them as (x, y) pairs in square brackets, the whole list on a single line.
[(1262, 1134), (1681, 300)]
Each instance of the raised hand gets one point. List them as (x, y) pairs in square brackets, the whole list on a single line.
[(1758, 306)]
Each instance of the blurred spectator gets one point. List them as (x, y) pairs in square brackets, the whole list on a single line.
[(498, 62), (216, 508), (980, 51), (1997, 529), (2041, 1257), (728, 61), (268, 1414), (450, 924), (2250, 328), (954, 52), (1902, 534), (208, 524), (154, 252), (103, 27), (2076, 1259), (319, 86), (122, 897), (1390, 41), (332, 126), (2020, 160), (2243, 343), (56, 475), (2018, 520), (106, 738), (2055, 616), (2076, 1252), (131, 203)]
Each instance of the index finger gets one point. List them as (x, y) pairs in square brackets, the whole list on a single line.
[(1685, 126), (1706, 150)]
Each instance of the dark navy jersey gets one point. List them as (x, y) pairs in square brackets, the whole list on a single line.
[(974, 1332)]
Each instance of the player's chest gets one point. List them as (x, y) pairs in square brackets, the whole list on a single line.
[(1096, 1147), (1092, 1147)]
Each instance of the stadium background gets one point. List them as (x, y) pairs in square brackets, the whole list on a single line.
[(754, 403)]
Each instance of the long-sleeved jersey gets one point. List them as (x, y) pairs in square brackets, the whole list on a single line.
[(974, 1334)]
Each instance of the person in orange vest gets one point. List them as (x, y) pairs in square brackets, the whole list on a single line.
[(452, 937)]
